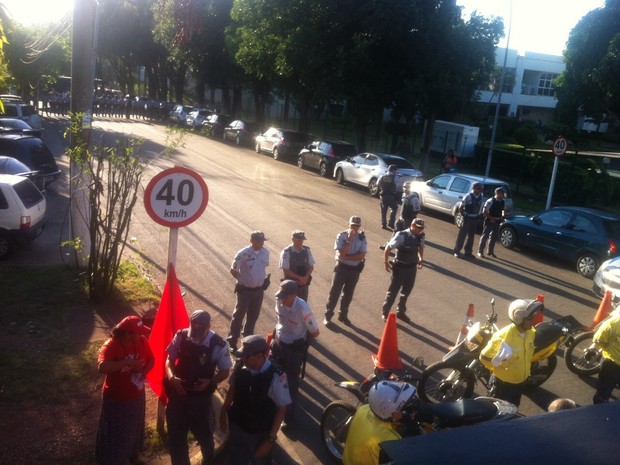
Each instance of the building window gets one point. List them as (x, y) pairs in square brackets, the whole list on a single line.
[(545, 86)]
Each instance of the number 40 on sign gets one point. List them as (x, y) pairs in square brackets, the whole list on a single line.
[(176, 197)]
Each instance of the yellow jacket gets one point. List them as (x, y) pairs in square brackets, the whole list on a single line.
[(607, 337), (367, 430), (516, 369)]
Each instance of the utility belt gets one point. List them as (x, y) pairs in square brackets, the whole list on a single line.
[(189, 389), (359, 267), (298, 345), (242, 288), (397, 264)]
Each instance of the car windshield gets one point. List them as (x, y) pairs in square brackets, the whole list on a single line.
[(295, 136), (28, 193), (343, 151), (399, 162)]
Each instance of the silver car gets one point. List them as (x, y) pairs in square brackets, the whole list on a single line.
[(365, 169), (444, 193), (607, 278)]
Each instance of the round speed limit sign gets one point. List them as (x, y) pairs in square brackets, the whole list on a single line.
[(559, 146), (176, 197)]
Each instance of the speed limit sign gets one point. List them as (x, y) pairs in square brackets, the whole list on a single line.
[(559, 146), (176, 197)]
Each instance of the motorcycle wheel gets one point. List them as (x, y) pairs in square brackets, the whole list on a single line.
[(541, 371), (441, 382), (335, 422), (582, 357)]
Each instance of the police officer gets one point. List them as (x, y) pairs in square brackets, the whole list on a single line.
[(410, 202), (198, 360), (470, 209), (297, 263), (295, 324), (249, 269), (493, 212), (388, 196), (255, 405), (409, 247), (351, 248)]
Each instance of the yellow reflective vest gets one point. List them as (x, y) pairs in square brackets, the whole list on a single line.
[(516, 369), (367, 430), (607, 337)]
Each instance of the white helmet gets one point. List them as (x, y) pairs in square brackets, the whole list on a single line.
[(521, 309), (386, 397)]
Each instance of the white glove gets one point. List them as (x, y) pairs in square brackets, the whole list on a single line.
[(503, 354)]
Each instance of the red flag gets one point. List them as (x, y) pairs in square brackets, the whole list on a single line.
[(171, 317)]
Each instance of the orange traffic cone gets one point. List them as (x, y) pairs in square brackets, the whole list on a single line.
[(387, 358), (604, 309), (540, 315), (469, 320)]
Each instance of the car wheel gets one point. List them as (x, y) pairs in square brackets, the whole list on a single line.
[(459, 219), (300, 162), (276, 154), (373, 188), (257, 148), (339, 176), (323, 170), (6, 246), (508, 237), (238, 140), (587, 265)]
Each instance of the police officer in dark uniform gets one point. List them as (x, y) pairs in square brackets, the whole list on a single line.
[(470, 209), (409, 245), (198, 360), (297, 263), (493, 212), (255, 405), (388, 196)]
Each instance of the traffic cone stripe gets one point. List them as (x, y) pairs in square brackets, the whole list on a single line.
[(387, 358), (540, 315), (469, 320)]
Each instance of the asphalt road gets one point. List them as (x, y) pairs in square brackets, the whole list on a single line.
[(250, 191)]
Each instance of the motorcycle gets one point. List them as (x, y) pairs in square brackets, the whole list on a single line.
[(419, 416), (456, 375), (583, 357)]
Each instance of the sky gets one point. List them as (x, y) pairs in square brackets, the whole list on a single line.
[(537, 25)]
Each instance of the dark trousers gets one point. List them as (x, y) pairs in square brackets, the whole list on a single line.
[(249, 302), (468, 230), (490, 233), (184, 414), (290, 357), (302, 292), (241, 447), (388, 202), (402, 280), (508, 391), (608, 379), (344, 279)]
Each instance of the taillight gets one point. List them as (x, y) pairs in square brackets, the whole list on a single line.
[(613, 248), (24, 222), (331, 153)]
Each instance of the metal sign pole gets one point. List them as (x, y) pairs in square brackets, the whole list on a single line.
[(552, 183)]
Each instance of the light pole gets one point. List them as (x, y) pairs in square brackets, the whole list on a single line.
[(499, 99)]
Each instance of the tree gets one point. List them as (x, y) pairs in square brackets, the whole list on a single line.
[(590, 82)]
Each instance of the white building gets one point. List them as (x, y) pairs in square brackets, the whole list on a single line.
[(528, 92)]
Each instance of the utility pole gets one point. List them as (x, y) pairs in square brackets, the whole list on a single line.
[(82, 80)]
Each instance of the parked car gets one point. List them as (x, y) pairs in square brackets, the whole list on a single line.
[(281, 142), (10, 165), (179, 113), (607, 278), (32, 152), (14, 107), (444, 193), (22, 212), (584, 236), (214, 124), (365, 169), (323, 155), (17, 125), (196, 118), (241, 132)]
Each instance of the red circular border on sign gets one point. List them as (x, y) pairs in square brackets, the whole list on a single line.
[(151, 185), (565, 150)]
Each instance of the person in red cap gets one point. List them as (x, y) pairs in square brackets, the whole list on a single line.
[(125, 359)]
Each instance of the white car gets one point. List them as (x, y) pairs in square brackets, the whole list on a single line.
[(22, 212), (607, 278), (196, 118), (365, 169), (445, 192)]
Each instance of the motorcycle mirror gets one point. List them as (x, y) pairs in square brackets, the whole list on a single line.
[(418, 362)]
